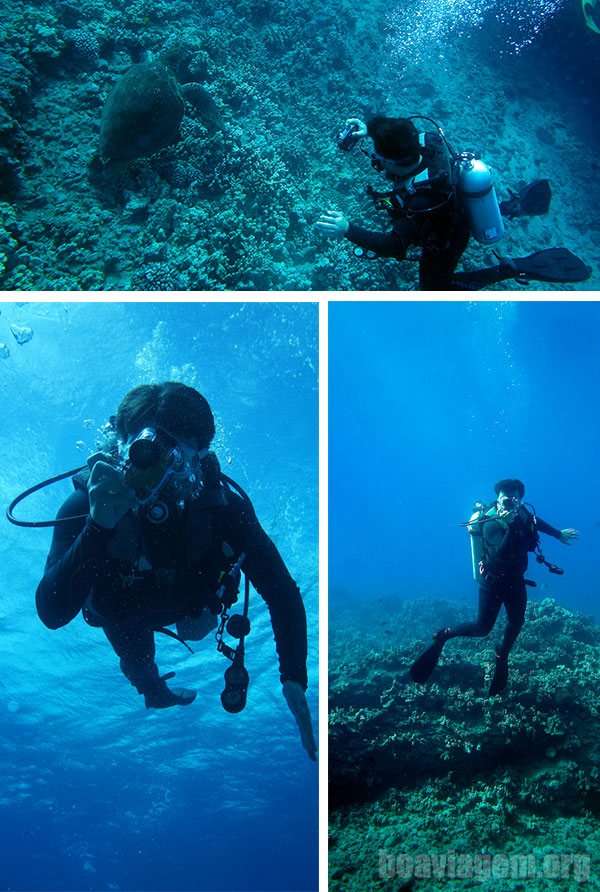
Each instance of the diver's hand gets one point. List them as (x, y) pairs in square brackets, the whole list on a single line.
[(333, 224), (110, 499), (296, 700), (567, 535), (362, 127)]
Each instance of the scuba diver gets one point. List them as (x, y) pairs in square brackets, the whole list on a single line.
[(437, 201), (156, 535), (501, 537)]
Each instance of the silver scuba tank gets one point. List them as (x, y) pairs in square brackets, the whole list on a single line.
[(475, 528), (476, 190)]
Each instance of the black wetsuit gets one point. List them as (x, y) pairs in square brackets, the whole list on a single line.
[(436, 265), (442, 233), (505, 559), (177, 577)]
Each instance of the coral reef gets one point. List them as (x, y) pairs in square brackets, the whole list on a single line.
[(444, 767), (231, 201)]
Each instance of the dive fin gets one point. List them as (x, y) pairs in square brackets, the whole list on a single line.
[(530, 201), (500, 676), (548, 265), (424, 665)]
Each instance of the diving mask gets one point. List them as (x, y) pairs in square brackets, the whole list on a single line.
[(508, 504), (397, 168)]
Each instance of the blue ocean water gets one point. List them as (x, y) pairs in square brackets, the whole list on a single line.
[(432, 403), (96, 792)]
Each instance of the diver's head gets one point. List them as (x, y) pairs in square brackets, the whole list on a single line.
[(509, 494), (165, 428), (396, 144), (175, 407)]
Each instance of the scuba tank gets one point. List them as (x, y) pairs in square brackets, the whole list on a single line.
[(478, 197), (475, 528)]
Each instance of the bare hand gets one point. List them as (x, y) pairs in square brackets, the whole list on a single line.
[(362, 127), (333, 224), (566, 535), (110, 499), (296, 700)]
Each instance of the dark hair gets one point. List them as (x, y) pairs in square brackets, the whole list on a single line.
[(510, 485), (394, 138), (180, 409)]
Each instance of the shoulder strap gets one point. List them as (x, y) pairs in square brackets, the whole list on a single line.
[(531, 521)]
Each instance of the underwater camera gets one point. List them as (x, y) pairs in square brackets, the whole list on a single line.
[(346, 139), (151, 459)]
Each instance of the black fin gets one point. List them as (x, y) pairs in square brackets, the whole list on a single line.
[(551, 265), (530, 201), (424, 665), (548, 265), (500, 676)]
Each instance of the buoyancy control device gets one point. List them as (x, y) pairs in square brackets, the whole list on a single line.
[(475, 191), (481, 515), (470, 184)]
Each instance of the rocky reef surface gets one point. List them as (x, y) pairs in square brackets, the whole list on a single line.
[(443, 771)]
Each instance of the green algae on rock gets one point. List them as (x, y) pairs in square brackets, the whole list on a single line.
[(443, 767)]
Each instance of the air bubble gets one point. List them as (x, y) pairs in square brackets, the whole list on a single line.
[(21, 333)]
